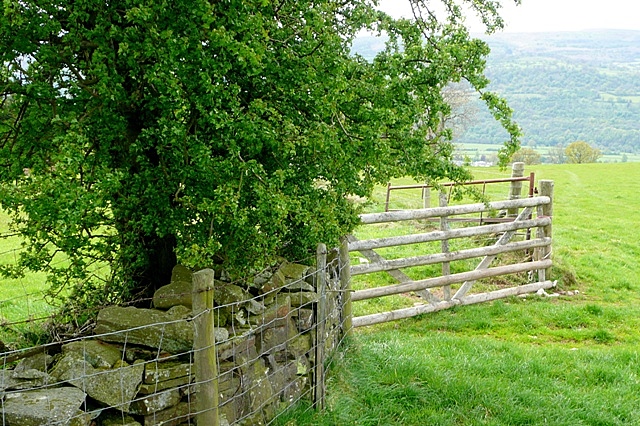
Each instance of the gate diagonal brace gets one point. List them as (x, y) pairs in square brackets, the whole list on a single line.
[(397, 274), (484, 264)]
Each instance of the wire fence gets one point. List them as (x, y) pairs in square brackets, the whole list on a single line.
[(240, 353)]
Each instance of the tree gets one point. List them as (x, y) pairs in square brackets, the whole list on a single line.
[(526, 156), (556, 155), (217, 133), (581, 152)]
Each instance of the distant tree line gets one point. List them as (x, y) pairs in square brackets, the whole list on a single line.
[(575, 153)]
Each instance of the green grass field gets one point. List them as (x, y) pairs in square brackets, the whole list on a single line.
[(476, 151), (569, 360)]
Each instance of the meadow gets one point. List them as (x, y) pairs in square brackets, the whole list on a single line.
[(478, 151), (567, 360)]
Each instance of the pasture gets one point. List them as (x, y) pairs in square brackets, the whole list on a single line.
[(478, 151), (566, 360)]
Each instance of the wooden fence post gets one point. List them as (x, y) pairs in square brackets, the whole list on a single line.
[(515, 190), (426, 197), (321, 318), (386, 204), (546, 189), (345, 287), (446, 266), (204, 348)]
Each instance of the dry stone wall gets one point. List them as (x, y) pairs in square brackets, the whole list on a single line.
[(137, 369)]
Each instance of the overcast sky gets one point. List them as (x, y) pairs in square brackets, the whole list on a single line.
[(553, 15)]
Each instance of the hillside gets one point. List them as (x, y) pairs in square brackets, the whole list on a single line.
[(563, 87)]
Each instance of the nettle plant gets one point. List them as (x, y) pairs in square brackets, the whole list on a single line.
[(133, 133)]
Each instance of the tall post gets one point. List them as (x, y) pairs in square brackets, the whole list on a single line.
[(515, 190), (386, 203), (204, 347), (444, 226), (321, 318), (426, 197), (345, 287), (546, 190)]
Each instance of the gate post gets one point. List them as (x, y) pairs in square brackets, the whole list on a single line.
[(204, 348), (515, 190), (546, 190), (321, 318), (345, 287), (444, 245)]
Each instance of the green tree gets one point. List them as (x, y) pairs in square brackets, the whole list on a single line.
[(581, 152), (218, 133), (526, 156)]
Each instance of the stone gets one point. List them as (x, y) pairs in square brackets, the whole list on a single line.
[(274, 315), (237, 346), (220, 334), (227, 294), (173, 294), (282, 375), (277, 281), (254, 307), (113, 387), (95, 352), (256, 384), (294, 271), (303, 299), (40, 362), (24, 379), (172, 416), (299, 345), (181, 273), (304, 319), (260, 279), (179, 382), (34, 376), (162, 371), (60, 406), (146, 327), (148, 404), (299, 285), (303, 366), (294, 390), (118, 419), (133, 353), (276, 338)]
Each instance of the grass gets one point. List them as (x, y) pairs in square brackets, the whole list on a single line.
[(475, 151), (568, 360), (22, 299)]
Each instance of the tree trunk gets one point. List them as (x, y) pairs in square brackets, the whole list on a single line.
[(160, 256)]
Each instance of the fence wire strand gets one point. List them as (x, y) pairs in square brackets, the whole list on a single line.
[(265, 356)]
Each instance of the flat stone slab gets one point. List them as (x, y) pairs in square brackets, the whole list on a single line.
[(59, 406), (146, 327), (115, 387)]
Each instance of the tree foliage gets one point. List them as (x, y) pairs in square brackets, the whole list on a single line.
[(215, 132), (526, 156), (565, 87), (581, 152)]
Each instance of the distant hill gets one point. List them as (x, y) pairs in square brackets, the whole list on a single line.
[(563, 87)]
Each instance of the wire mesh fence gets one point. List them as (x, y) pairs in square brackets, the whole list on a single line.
[(237, 352)]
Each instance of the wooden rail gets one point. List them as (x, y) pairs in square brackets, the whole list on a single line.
[(516, 180), (540, 246)]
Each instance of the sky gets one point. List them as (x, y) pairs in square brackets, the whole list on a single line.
[(553, 15)]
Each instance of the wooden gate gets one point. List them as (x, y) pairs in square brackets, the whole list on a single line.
[(537, 243)]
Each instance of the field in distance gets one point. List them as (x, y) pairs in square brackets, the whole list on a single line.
[(488, 152)]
